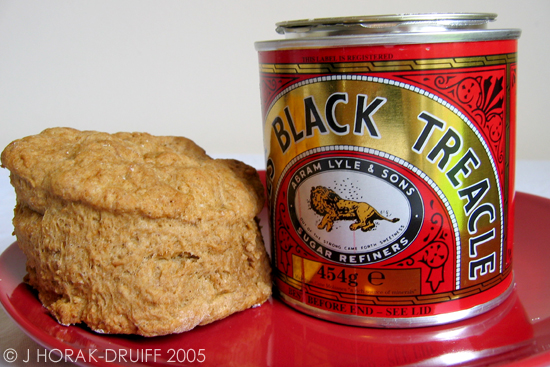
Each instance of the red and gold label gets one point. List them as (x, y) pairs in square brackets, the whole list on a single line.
[(390, 176)]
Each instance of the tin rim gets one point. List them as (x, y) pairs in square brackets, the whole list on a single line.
[(376, 22), (386, 38), (386, 30)]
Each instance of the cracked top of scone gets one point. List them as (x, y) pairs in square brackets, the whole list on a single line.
[(153, 176)]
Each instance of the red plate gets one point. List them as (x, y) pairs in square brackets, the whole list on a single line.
[(516, 333)]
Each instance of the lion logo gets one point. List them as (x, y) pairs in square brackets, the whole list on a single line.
[(332, 207)]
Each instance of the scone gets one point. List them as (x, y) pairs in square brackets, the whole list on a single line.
[(137, 234)]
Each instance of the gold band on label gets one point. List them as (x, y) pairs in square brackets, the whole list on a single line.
[(377, 66), (397, 296)]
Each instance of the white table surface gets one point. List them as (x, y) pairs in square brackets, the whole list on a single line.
[(531, 177)]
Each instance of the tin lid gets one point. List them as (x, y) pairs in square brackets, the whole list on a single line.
[(387, 29), (427, 22)]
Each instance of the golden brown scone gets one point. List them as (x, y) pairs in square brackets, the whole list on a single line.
[(137, 234)]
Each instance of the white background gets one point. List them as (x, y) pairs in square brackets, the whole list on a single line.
[(190, 68)]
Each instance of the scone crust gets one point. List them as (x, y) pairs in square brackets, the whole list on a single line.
[(135, 173), (137, 234)]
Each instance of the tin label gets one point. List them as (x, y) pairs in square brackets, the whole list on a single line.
[(389, 180)]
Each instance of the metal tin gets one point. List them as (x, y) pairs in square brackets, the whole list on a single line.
[(390, 166)]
